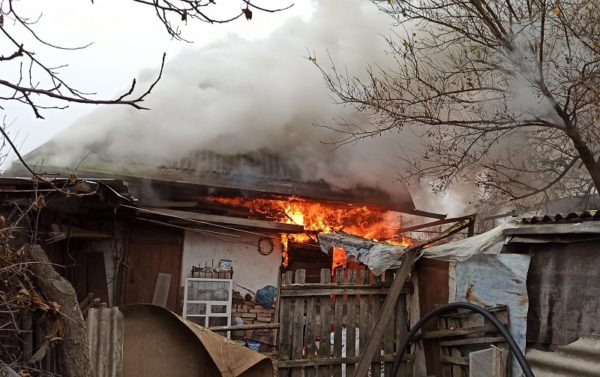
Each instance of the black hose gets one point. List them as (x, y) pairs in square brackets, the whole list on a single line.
[(474, 308)]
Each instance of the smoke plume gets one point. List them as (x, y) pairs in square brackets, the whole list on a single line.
[(240, 96)]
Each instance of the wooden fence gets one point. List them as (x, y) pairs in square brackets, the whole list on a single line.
[(324, 326)]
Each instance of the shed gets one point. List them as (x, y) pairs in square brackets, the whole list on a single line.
[(545, 269)]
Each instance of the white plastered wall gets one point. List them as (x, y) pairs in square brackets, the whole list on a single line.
[(250, 269)]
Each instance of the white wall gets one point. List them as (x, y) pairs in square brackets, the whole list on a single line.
[(250, 269)]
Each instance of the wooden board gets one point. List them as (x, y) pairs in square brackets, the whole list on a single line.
[(463, 332)]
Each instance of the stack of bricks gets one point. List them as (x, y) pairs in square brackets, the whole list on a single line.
[(251, 313)]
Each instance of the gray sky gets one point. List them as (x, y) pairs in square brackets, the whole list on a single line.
[(127, 39)]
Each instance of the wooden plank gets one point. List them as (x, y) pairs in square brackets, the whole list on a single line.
[(388, 337), (337, 360), (456, 361), (337, 332), (254, 326), (210, 220), (408, 285), (277, 305), (457, 332), (363, 320), (434, 223), (339, 291), (465, 313), (286, 309), (444, 352), (401, 331), (386, 312), (344, 284), (324, 345), (471, 341), (309, 336), (298, 325), (375, 310), (455, 353), (351, 324)]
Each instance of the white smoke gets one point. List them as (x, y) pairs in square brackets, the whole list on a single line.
[(239, 96)]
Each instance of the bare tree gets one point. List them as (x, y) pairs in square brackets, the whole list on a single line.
[(39, 85), (503, 93)]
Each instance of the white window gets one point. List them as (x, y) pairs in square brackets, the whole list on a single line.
[(208, 301)]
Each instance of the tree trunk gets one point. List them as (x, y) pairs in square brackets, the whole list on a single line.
[(75, 349), (586, 155)]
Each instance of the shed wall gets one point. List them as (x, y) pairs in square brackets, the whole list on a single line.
[(564, 293)]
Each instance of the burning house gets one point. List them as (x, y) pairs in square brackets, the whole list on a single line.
[(158, 234)]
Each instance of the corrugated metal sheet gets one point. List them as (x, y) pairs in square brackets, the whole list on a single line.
[(578, 359), (573, 217), (105, 339)]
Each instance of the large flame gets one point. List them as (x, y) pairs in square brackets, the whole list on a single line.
[(368, 222)]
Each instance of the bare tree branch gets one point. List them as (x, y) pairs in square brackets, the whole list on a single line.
[(501, 93)]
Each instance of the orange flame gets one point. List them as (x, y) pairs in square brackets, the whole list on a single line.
[(285, 260), (368, 222), (339, 257)]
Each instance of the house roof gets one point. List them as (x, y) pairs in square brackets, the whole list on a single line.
[(260, 174)]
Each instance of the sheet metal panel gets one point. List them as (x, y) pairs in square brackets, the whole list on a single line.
[(489, 280), (578, 359)]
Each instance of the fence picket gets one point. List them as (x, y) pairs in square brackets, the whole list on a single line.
[(388, 337), (351, 324), (286, 306), (375, 308), (337, 331), (298, 326), (325, 309), (309, 336)]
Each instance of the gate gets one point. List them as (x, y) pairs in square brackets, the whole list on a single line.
[(324, 326)]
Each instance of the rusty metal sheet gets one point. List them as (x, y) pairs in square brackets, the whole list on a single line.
[(150, 341), (580, 358)]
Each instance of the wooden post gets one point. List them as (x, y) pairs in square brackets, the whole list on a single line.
[(373, 343)]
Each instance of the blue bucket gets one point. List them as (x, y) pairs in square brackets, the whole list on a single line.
[(254, 346)]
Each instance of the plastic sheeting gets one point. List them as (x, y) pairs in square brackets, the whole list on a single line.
[(380, 256), (490, 242), (377, 256), (490, 280)]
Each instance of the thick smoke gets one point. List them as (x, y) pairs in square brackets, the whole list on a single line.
[(241, 96)]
